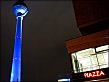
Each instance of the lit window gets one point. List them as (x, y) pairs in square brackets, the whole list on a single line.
[(88, 59), (101, 48)]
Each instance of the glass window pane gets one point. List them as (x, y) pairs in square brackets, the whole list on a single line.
[(87, 69), (95, 67), (105, 54), (100, 59), (94, 60), (85, 52), (74, 62), (104, 66), (85, 61), (101, 48)]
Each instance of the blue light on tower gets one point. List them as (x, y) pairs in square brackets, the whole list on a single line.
[(20, 9)]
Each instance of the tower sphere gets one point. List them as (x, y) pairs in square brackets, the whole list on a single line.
[(20, 9)]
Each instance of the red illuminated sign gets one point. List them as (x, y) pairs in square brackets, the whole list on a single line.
[(94, 74)]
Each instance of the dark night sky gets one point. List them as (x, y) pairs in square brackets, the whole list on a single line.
[(46, 28)]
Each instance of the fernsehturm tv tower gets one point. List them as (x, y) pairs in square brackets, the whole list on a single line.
[(20, 9)]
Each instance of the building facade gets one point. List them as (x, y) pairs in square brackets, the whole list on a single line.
[(89, 53)]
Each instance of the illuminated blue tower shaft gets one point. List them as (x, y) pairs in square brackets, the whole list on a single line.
[(16, 64), (20, 10)]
